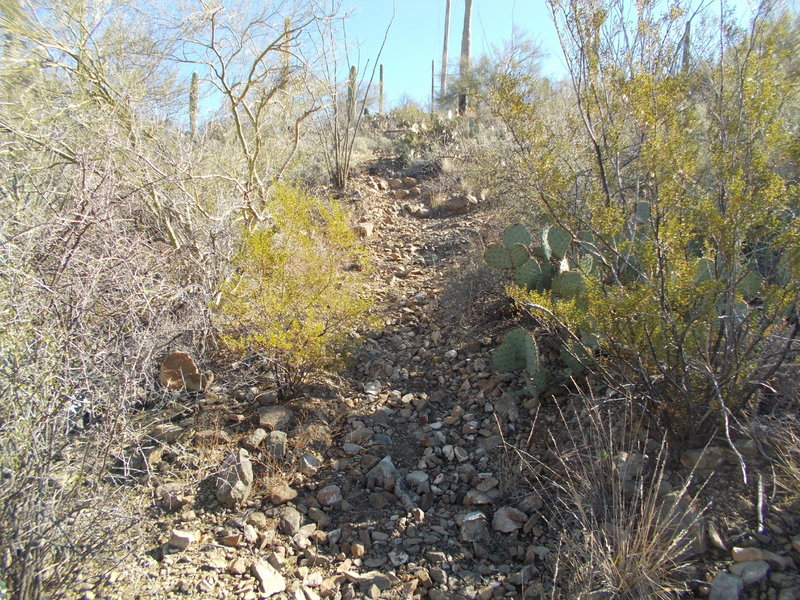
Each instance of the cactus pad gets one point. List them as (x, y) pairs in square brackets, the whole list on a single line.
[(749, 285), (569, 285), (555, 242), (528, 275), (516, 234), (704, 270), (501, 257), (517, 351)]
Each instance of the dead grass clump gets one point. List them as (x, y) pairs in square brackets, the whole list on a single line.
[(625, 533)]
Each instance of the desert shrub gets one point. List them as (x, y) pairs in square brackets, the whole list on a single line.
[(678, 203), (625, 533), (298, 291)]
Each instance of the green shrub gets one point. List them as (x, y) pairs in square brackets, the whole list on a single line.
[(299, 289), (682, 209)]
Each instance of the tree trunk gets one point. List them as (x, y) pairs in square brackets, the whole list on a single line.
[(443, 80), (466, 39)]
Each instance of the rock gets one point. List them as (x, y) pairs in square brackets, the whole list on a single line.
[(361, 436), (276, 444), (680, 513), (237, 566), (381, 473), (181, 539), (357, 550), (751, 571), (373, 388), (266, 398), (395, 183), (289, 519), (704, 458), (179, 371), (253, 441), (629, 465), (459, 204), (274, 417), (235, 478), (211, 437), (365, 229), (507, 519), (409, 182), (270, 582), (473, 527), (309, 464), (726, 587), (319, 517), (418, 210), (329, 495), (166, 433), (776, 561), (476, 497), (281, 492), (417, 478)]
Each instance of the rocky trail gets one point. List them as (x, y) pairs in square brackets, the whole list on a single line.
[(395, 480), (387, 483)]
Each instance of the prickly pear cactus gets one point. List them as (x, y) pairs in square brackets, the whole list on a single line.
[(528, 275), (512, 354), (555, 242), (516, 234), (750, 285), (499, 256), (569, 285)]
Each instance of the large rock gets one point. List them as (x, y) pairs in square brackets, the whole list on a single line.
[(270, 582), (704, 459), (473, 527), (274, 417), (751, 571), (276, 444), (508, 519), (235, 478), (726, 587)]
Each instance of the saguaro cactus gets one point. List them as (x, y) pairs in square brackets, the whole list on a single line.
[(194, 87)]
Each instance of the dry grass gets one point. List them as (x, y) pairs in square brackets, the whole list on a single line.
[(623, 534)]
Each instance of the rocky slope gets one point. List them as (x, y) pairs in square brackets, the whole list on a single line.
[(396, 480)]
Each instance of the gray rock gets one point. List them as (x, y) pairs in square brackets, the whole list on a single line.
[(473, 527), (726, 587), (274, 417), (270, 582), (235, 478), (417, 478), (381, 473), (309, 464), (329, 495), (680, 513), (751, 571), (276, 444), (507, 519), (360, 436), (253, 441), (166, 433), (289, 519), (704, 458), (319, 517), (776, 561)]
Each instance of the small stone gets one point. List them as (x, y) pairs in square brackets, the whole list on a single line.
[(364, 229), (276, 444), (270, 582), (357, 550), (166, 433), (373, 388), (751, 571), (274, 417), (289, 519), (281, 492), (181, 539), (776, 561), (508, 519), (319, 517), (381, 473), (417, 478), (235, 478), (473, 527), (726, 587), (329, 495), (704, 458), (237, 566), (309, 464), (253, 441)]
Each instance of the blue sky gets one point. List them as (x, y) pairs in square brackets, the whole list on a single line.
[(416, 36)]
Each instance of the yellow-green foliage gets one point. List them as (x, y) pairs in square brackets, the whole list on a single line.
[(709, 158), (299, 289)]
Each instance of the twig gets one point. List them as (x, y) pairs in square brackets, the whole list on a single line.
[(761, 508), (725, 412)]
